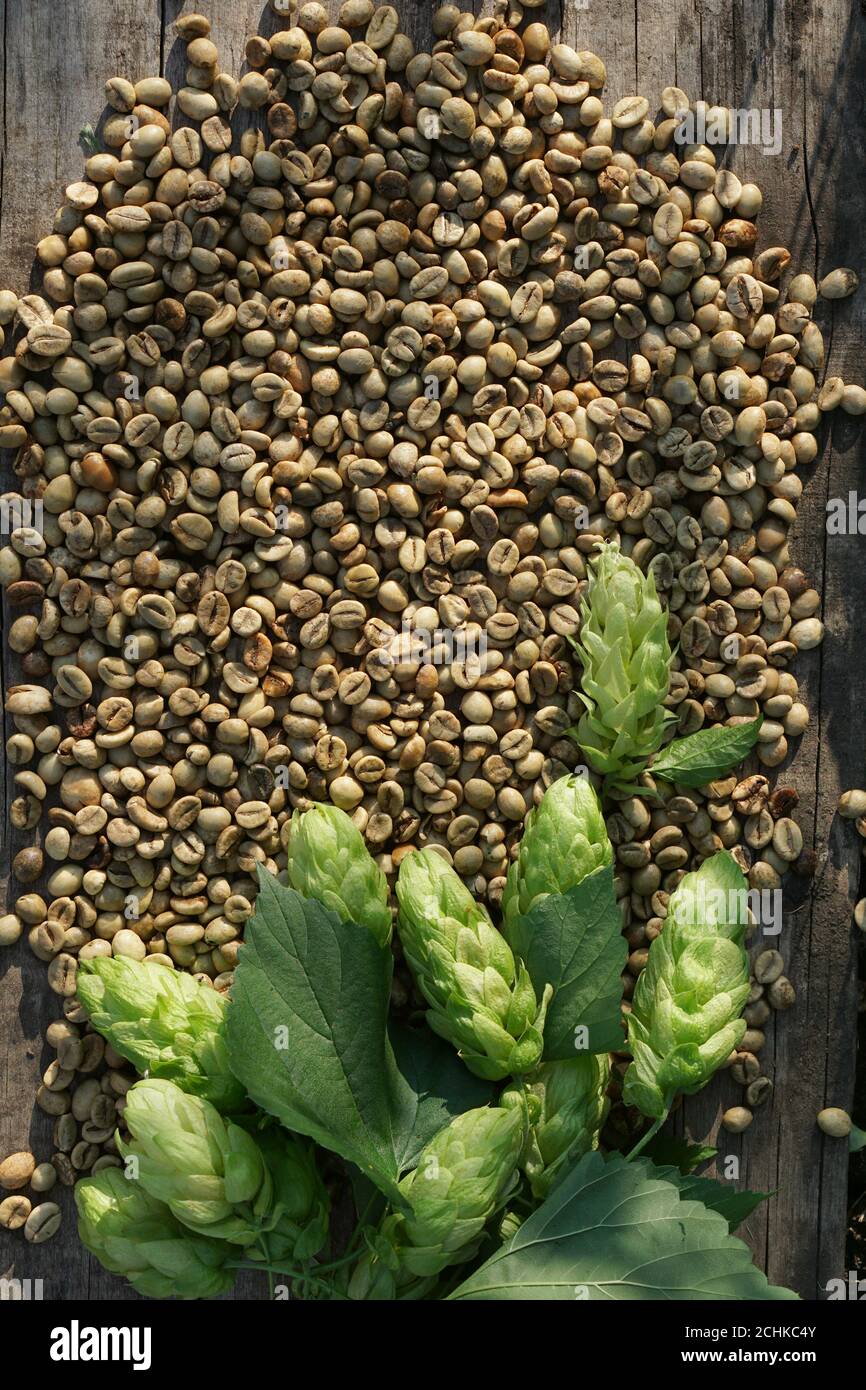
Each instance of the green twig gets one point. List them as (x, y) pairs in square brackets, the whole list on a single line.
[(263, 1245), (362, 1221), (296, 1276), (337, 1264), (651, 1132)]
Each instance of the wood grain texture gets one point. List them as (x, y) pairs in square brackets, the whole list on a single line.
[(805, 59), (56, 62), (803, 63)]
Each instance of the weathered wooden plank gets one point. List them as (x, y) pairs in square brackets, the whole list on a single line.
[(802, 64), (57, 59), (614, 41), (56, 64), (713, 63), (786, 58), (815, 1043)]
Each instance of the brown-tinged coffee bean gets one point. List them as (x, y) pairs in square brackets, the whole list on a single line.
[(781, 993), (16, 1170), (838, 284), (66, 1174), (737, 1119)]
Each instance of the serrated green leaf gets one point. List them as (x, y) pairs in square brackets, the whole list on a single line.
[(308, 1037), (670, 1151), (706, 755), (439, 1087), (735, 1206), (614, 1230), (574, 941), (307, 1028)]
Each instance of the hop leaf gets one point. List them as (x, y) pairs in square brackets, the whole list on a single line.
[(684, 1020), (165, 1023), (480, 998), (626, 657), (464, 1175), (133, 1234), (564, 840), (209, 1172), (565, 1106), (328, 861)]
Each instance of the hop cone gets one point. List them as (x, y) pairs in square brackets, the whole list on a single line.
[(374, 1278), (464, 1175), (684, 1020), (510, 1223), (566, 1106), (329, 861), (564, 840), (299, 1225), (626, 658), (209, 1172), (381, 1274), (133, 1234), (165, 1023), (480, 998)]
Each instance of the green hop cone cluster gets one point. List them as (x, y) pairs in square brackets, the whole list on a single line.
[(565, 1105), (299, 1226), (481, 999), (685, 1015), (623, 646), (564, 840), (464, 1175), (328, 861), (165, 1023), (375, 1276), (209, 1172), (133, 1234)]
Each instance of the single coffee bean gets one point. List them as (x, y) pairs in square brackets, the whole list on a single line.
[(835, 1122), (43, 1223), (16, 1170), (14, 1212), (737, 1119)]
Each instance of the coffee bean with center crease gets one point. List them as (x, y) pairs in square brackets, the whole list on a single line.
[(43, 1222)]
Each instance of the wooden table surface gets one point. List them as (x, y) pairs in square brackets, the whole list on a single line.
[(801, 58)]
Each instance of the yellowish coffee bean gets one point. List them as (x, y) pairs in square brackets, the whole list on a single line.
[(835, 1122)]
